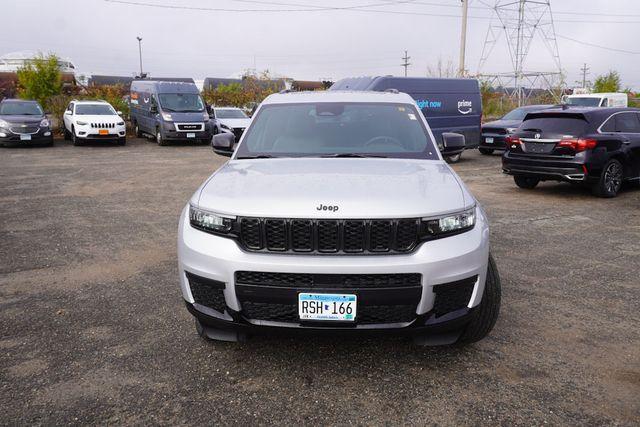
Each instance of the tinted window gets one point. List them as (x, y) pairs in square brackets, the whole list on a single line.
[(389, 130), (609, 125), (517, 114), (584, 101), (20, 108), (94, 110), (627, 122), (230, 114), (555, 125)]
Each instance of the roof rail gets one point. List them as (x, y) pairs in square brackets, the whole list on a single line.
[(285, 91), (392, 90)]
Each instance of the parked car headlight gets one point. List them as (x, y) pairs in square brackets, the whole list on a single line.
[(80, 123), (511, 130), (44, 123), (120, 123), (223, 126), (209, 221), (205, 116), (3, 124), (167, 117), (450, 224)]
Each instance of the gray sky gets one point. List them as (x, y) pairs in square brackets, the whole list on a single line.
[(99, 36)]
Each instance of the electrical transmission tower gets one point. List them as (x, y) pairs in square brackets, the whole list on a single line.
[(523, 23)]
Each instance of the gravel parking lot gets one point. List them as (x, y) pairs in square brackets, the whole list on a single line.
[(93, 328)]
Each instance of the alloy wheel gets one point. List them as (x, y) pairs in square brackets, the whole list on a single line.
[(613, 178)]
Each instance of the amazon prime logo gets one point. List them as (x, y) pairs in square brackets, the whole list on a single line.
[(464, 107)]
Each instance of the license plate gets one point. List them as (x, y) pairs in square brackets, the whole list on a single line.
[(191, 135), (334, 307), (488, 140), (25, 137), (103, 132)]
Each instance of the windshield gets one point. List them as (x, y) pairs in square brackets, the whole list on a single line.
[(20, 108), (583, 101), (235, 113), (517, 114), (338, 129), (94, 110), (181, 102)]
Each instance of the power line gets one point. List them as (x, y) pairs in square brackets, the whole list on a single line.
[(630, 52)]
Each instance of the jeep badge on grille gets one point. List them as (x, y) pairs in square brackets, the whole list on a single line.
[(333, 208)]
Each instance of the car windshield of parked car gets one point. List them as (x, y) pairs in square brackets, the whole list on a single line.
[(20, 109), (230, 114), (584, 101), (94, 110), (517, 114), (181, 102), (338, 130)]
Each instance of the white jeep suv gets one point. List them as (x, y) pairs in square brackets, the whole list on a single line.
[(337, 214), (93, 121)]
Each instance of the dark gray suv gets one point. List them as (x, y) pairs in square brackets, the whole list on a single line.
[(23, 122)]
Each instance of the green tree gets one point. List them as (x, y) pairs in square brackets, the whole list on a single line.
[(40, 78), (609, 82)]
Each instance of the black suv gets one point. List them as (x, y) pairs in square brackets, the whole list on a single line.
[(23, 122), (495, 133), (599, 147)]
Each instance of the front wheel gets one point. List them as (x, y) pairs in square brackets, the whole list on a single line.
[(610, 180), (486, 313), (453, 159), (122, 141), (76, 141), (67, 134), (137, 130), (159, 138), (485, 151), (526, 182)]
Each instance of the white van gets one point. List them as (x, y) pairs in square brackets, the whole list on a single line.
[(605, 99)]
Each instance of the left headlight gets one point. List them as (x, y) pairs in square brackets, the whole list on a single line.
[(209, 221), (120, 123), (3, 124), (44, 123), (450, 224), (167, 117)]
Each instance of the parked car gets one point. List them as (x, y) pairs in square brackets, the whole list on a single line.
[(598, 147), (495, 133), (169, 111), (603, 99), (336, 213), (230, 119), (93, 121), (450, 105), (23, 122)]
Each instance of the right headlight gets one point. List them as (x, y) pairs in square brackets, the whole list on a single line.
[(450, 223), (3, 124), (209, 221), (80, 123)]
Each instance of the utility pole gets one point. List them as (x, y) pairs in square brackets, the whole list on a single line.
[(585, 71), (406, 62), (140, 51), (463, 37)]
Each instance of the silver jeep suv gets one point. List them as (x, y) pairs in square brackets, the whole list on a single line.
[(336, 213)]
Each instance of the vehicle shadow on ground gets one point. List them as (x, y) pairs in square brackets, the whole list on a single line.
[(574, 191)]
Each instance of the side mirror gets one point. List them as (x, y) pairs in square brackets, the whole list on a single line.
[(154, 109), (119, 113), (67, 112), (452, 143), (223, 143)]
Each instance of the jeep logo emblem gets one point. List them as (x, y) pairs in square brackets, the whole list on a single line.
[(322, 207)]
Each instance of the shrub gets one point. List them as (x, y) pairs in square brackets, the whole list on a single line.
[(40, 79)]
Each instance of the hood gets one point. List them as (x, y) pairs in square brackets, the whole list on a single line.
[(235, 123), (187, 117), (98, 118), (360, 188), (502, 124), (22, 118)]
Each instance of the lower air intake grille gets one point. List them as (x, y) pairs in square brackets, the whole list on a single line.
[(207, 292), (453, 296)]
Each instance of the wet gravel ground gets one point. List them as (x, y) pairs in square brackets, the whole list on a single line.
[(93, 328)]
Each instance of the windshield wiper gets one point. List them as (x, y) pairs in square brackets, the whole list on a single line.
[(354, 155), (260, 156)]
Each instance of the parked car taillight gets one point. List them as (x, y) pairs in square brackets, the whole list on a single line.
[(579, 144), (512, 141)]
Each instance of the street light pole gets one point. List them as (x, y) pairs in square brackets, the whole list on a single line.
[(463, 38), (140, 51)]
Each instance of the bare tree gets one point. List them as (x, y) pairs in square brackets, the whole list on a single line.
[(442, 69)]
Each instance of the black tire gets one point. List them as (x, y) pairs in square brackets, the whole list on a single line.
[(137, 130), (526, 182), (486, 313), (67, 134), (122, 141), (610, 180), (486, 151), (50, 143), (76, 141), (216, 130), (453, 159), (159, 139)]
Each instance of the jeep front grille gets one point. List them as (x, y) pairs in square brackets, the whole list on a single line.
[(329, 236)]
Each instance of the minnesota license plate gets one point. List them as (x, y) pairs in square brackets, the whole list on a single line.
[(103, 132), (332, 307), (191, 135), (488, 140), (25, 137)]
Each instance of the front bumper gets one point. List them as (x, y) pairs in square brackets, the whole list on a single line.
[(442, 261), (93, 134), (43, 135), (552, 168), (170, 133)]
